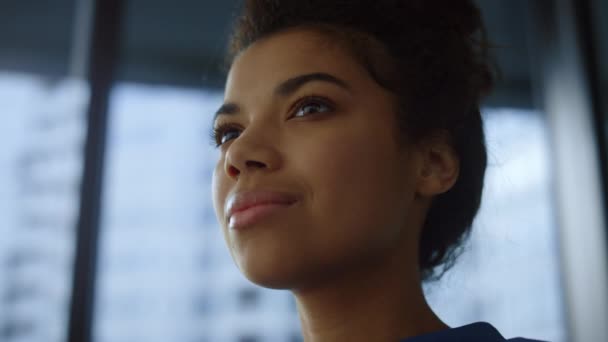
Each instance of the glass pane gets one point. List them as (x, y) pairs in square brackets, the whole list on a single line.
[(509, 273), (165, 272), (42, 135)]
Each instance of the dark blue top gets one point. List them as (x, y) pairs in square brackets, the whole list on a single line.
[(474, 332)]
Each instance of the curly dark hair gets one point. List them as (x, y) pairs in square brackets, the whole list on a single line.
[(434, 56)]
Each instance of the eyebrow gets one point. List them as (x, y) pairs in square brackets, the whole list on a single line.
[(287, 88)]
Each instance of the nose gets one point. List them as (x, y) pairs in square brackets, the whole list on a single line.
[(251, 152)]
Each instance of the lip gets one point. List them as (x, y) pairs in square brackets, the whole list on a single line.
[(246, 208)]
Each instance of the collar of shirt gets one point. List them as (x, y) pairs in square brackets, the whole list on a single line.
[(478, 331)]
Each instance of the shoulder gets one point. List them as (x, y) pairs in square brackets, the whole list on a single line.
[(478, 331)]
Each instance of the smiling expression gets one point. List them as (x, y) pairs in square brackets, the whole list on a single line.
[(303, 117)]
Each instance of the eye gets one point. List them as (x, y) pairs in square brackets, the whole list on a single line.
[(306, 106), (224, 133), (311, 104)]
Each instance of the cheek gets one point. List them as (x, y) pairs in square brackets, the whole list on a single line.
[(354, 180), (356, 165)]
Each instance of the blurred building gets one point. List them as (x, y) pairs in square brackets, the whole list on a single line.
[(41, 170)]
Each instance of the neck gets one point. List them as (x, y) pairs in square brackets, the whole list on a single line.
[(384, 302)]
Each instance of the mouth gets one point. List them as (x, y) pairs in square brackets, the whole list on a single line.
[(246, 208), (254, 214)]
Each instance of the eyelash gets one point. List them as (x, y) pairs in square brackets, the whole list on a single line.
[(218, 132)]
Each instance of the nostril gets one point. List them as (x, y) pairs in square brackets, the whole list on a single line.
[(233, 171), (253, 163)]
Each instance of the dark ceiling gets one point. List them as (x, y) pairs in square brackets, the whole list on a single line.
[(182, 42), (188, 42)]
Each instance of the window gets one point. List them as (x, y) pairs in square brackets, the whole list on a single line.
[(40, 171), (163, 270)]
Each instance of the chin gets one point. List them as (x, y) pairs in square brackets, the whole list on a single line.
[(273, 274), (277, 271)]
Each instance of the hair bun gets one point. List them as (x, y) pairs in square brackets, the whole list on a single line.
[(460, 15), (464, 16)]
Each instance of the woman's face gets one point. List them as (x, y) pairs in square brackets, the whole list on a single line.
[(307, 120)]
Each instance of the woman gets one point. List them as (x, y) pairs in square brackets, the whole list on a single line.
[(352, 158)]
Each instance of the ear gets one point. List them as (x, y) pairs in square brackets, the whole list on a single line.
[(439, 166)]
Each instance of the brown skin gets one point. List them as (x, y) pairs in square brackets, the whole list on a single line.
[(348, 249)]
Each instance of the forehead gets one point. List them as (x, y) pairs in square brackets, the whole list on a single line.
[(283, 55)]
